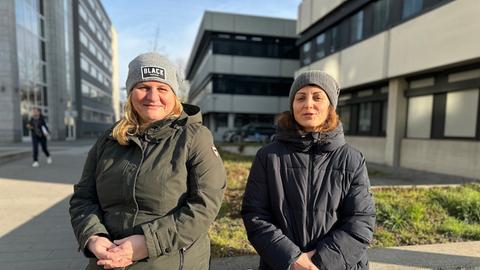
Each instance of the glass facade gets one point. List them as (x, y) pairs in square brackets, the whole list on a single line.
[(32, 59)]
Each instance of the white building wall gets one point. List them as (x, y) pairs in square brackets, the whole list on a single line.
[(310, 11), (438, 38), (243, 104), (373, 148), (443, 156)]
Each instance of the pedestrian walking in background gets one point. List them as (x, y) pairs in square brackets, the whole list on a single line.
[(153, 183), (307, 203), (40, 133)]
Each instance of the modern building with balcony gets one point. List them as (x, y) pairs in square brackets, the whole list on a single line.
[(410, 77), (241, 68)]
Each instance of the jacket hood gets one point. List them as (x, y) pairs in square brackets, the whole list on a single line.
[(301, 141)]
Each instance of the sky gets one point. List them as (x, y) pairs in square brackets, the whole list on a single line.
[(176, 22)]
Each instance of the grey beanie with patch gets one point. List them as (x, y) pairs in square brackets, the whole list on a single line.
[(319, 78), (151, 66)]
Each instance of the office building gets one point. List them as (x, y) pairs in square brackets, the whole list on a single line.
[(36, 71), (410, 73), (95, 60), (241, 68)]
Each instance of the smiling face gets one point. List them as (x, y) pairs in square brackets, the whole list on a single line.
[(310, 107), (152, 100)]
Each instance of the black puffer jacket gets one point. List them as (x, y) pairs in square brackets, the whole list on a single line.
[(309, 192)]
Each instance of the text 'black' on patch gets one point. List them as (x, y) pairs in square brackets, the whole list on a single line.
[(153, 72)]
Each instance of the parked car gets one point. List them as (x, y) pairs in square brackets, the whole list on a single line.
[(253, 132)]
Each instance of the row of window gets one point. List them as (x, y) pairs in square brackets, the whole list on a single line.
[(364, 112), (446, 115), (255, 46), (98, 95), (94, 50), (243, 45), (92, 115), (251, 85), (442, 105), (101, 16), (94, 71), (94, 28), (373, 18)]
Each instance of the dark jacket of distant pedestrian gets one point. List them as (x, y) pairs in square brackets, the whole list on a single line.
[(307, 203), (153, 184), (39, 133)]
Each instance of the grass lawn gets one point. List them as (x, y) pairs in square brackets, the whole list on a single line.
[(405, 216)]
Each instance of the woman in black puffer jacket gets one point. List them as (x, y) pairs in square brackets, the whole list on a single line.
[(307, 203)]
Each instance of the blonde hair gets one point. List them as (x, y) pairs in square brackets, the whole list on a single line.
[(131, 125), (287, 121)]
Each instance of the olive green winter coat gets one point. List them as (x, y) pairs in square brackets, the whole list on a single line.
[(167, 186)]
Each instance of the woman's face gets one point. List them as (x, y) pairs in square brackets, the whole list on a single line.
[(310, 107), (152, 100)]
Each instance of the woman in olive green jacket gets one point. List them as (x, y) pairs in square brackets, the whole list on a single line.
[(151, 185)]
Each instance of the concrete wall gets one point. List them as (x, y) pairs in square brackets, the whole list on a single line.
[(310, 11), (10, 129), (373, 148), (242, 104), (56, 67), (442, 156)]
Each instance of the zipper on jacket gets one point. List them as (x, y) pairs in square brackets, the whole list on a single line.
[(182, 258), (135, 183), (310, 213)]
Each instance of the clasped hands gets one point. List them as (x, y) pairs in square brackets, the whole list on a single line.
[(119, 253), (304, 262)]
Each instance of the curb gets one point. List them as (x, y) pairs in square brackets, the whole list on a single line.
[(14, 155)]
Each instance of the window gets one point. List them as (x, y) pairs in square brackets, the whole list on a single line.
[(365, 117), (83, 39), (384, 116), (356, 27), (251, 85), (334, 39), (419, 116), (411, 7), (461, 113), (221, 120), (82, 13), (344, 113), (306, 53), (320, 46), (380, 15)]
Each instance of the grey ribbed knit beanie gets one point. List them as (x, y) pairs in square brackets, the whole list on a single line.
[(151, 66), (320, 79)]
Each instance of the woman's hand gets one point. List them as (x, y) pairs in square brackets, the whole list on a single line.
[(304, 262), (125, 251), (100, 247)]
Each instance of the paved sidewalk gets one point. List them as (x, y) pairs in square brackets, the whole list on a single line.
[(463, 255)]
